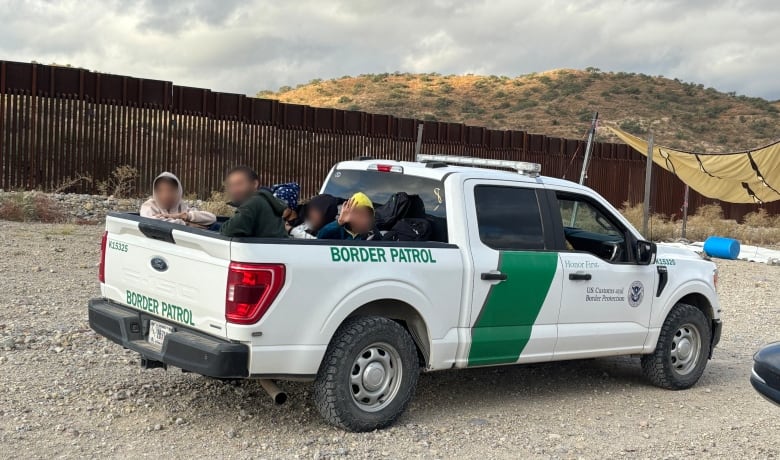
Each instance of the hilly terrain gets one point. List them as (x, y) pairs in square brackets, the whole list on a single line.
[(558, 103)]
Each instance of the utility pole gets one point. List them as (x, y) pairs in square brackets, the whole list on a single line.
[(648, 177)]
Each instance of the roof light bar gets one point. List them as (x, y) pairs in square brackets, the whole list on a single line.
[(523, 167)]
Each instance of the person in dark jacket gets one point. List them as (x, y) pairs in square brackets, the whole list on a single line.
[(355, 222), (317, 213), (258, 213)]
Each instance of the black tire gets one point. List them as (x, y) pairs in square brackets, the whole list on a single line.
[(359, 344), (665, 367)]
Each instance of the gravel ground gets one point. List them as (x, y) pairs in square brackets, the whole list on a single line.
[(65, 392)]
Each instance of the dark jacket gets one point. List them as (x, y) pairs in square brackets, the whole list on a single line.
[(260, 216), (334, 231)]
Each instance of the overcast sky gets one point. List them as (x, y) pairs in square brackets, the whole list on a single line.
[(246, 46)]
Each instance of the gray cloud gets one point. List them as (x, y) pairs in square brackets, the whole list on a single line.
[(245, 46)]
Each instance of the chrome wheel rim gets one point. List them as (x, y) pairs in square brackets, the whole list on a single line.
[(686, 348), (376, 376)]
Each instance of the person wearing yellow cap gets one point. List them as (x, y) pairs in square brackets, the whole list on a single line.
[(355, 222)]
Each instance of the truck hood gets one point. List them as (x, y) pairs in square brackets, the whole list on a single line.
[(677, 251)]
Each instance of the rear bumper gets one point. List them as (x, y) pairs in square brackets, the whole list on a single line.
[(184, 348)]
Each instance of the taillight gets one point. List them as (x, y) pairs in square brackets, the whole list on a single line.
[(715, 278), (251, 289), (386, 168), (102, 267)]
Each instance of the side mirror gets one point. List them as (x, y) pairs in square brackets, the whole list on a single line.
[(645, 252), (766, 365)]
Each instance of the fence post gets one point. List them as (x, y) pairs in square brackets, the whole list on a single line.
[(418, 146)]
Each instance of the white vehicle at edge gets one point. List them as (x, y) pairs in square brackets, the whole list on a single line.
[(520, 269)]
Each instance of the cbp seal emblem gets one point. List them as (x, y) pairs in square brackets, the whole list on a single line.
[(635, 293)]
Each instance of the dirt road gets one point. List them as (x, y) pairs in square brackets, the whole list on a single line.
[(66, 393)]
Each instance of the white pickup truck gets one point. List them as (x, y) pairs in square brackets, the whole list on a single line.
[(521, 269)]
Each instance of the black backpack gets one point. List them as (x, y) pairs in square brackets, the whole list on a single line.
[(410, 229), (400, 205)]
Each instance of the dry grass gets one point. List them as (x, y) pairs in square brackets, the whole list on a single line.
[(759, 228), (121, 184), (30, 207), (558, 103), (217, 204)]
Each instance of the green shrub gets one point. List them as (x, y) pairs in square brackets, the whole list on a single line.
[(632, 126), (470, 107), (443, 103), (523, 104)]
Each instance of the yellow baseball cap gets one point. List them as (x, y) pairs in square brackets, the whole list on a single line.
[(360, 199)]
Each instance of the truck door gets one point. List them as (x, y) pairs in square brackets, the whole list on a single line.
[(516, 278), (607, 296)]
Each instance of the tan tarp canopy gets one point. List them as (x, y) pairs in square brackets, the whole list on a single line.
[(742, 177)]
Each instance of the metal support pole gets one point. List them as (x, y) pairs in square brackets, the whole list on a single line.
[(418, 146), (648, 177), (685, 211), (589, 147), (584, 172)]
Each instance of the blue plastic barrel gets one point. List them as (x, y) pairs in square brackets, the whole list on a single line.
[(723, 248)]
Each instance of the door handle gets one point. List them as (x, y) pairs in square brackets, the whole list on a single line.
[(493, 276), (580, 276)]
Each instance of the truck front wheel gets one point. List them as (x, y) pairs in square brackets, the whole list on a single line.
[(368, 375), (682, 351)]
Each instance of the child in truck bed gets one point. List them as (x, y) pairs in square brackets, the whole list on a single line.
[(166, 204), (355, 222), (317, 213)]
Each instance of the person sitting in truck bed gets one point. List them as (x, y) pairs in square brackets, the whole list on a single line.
[(317, 213), (288, 193), (166, 204), (259, 212), (355, 222)]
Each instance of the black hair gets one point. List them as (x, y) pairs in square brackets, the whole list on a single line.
[(169, 180), (245, 170)]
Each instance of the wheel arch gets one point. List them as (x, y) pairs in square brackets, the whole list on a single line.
[(695, 293), (406, 315), (700, 301)]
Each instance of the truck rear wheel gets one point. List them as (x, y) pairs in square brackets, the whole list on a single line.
[(682, 351), (368, 375)]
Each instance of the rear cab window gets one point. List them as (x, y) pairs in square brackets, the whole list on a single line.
[(509, 218), (380, 186)]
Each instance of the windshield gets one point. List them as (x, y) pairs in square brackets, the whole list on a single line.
[(379, 186)]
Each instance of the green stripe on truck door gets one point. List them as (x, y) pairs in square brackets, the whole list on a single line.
[(504, 326)]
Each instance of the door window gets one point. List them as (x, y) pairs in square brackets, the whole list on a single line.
[(588, 228), (509, 218)]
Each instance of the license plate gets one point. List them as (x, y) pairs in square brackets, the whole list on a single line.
[(157, 332)]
